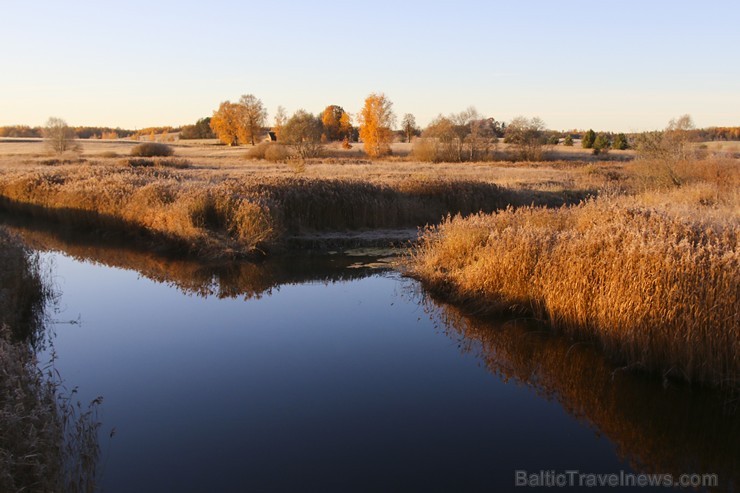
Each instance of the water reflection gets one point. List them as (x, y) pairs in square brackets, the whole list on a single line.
[(659, 428), (223, 280)]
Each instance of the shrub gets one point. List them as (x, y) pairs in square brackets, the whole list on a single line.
[(425, 149), (152, 149), (270, 151), (276, 152)]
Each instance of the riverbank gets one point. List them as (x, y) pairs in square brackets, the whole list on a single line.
[(650, 278), (216, 215), (47, 443)]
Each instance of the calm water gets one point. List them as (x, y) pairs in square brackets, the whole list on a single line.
[(306, 375)]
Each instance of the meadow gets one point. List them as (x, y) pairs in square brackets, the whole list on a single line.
[(211, 201)]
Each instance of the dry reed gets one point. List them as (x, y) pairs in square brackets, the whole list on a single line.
[(47, 442), (212, 215), (658, 286)]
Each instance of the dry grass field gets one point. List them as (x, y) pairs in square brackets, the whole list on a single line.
[(213, 201)]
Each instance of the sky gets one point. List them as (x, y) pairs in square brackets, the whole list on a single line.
[(621, 66)]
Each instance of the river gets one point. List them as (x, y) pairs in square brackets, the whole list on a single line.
[(335, 373)]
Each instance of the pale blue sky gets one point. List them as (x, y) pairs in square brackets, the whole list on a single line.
[(623, 65)]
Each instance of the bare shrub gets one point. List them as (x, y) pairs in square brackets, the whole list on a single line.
[(258, 151), (425, 149), (152, 149)]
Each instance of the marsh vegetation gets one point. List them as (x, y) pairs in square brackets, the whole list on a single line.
[(48, 439)]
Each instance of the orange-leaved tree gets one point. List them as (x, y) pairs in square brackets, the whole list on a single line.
[(226, 122), (336, 123), (376, 120)]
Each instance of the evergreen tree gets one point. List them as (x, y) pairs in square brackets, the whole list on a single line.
[(588, 139)]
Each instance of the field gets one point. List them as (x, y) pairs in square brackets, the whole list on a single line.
[(638, 257)]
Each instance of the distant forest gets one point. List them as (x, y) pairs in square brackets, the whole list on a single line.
[(201, 130)]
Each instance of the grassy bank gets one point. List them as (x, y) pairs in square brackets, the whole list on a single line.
[(47, 443), (654, 278), (211, 214)]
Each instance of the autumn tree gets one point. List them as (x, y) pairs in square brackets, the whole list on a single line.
[(336, 123), (303, 133), (58, 135), (253, 117), (280, 119), (376, 120), (408, 125), (345, 127), (226, 122), (568, 142)]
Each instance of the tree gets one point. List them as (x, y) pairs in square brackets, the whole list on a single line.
[(201, 130), (345, 127), (253, 118), (303, 133), (280, 119), (58, 135), (568, 141), (440, 136), (588, 139), (336, 122), (463, 123), (408, 125), (376, 120), (668, 147), (226, 122), (526, 135), (601, 144), (620, 142)]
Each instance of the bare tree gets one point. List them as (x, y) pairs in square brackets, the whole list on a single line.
[(526, 134), (280, 119), (669, 147), (408, 125), (303, 133), (59, 136), (253, 116)]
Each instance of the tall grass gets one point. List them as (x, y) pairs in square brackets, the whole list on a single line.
[(213, 215), (47, 442), (656, 284)]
